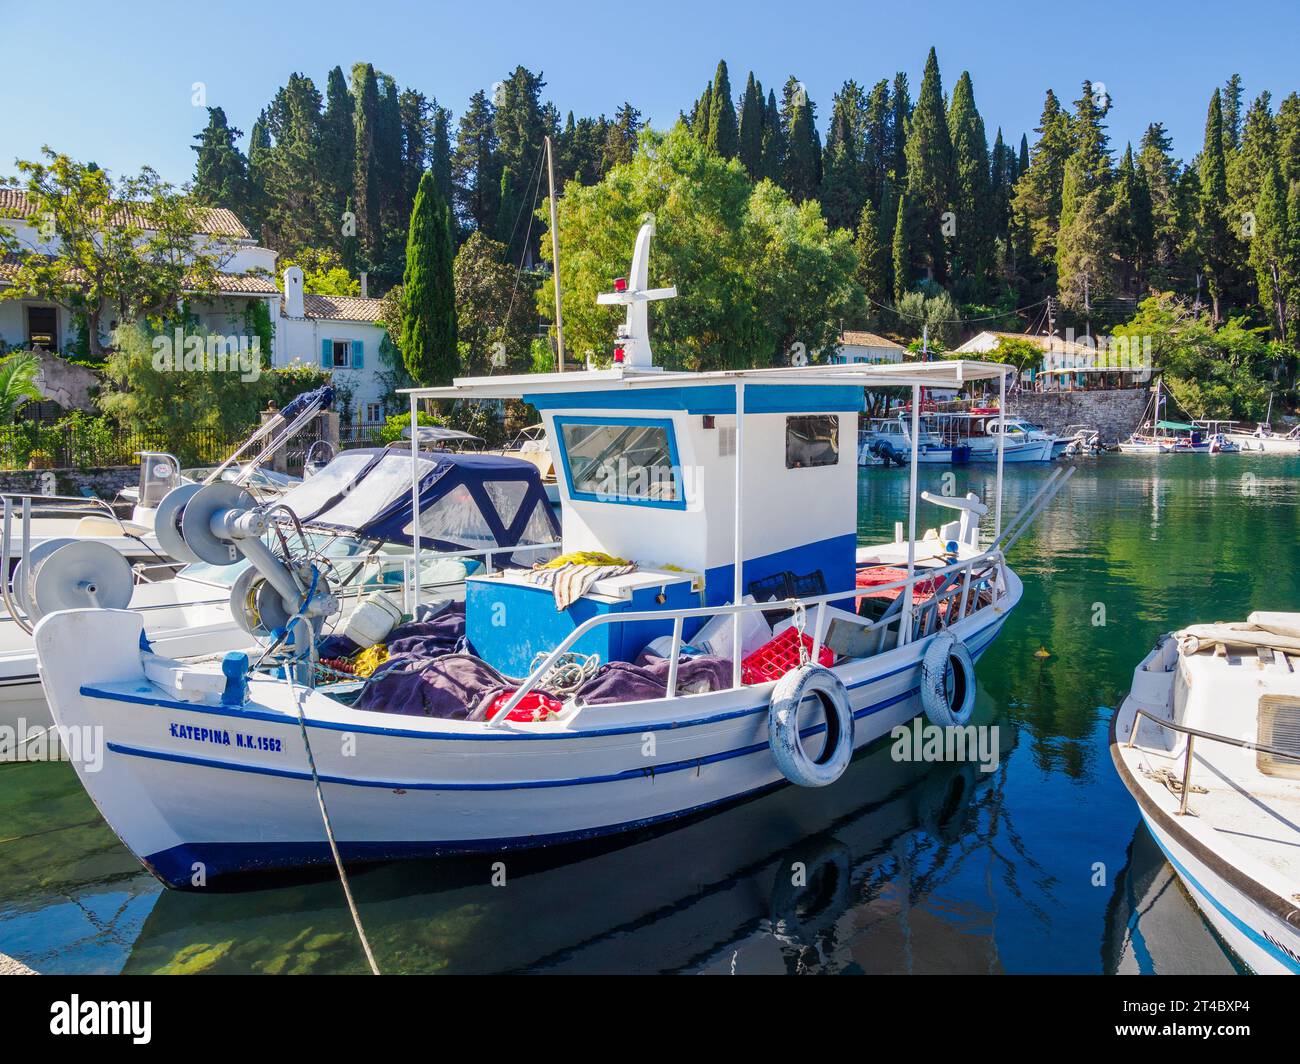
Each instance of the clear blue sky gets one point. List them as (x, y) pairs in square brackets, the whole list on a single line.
[(113, 84)]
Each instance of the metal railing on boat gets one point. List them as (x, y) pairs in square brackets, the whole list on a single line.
[(1192, 735), (990, 563)]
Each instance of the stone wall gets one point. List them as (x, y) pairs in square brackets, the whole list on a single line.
[(1116, 413), (105, 481)]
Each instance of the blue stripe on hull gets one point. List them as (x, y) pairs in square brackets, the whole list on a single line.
[(1244, 929)]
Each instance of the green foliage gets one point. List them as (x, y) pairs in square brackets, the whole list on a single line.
[(141, 261), (172, 405), (17, 383), (755, 272), (930, 306), (1224, 371), (495, 305), (393, 427)]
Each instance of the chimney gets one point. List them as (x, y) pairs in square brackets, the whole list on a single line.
[(293, 307), (365, 286)]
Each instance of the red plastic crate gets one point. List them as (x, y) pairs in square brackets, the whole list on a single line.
[(778, 656)]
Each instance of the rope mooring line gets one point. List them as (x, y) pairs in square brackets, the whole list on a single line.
[(329, 828)]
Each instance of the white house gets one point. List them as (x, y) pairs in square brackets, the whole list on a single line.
[(336, 333), (857, 346)]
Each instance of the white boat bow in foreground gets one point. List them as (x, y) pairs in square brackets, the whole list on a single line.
[(1208, 744)]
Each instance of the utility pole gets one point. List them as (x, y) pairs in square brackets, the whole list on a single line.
[(555, 256)]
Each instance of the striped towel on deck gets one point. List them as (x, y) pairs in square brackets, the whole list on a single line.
[(570, 582)]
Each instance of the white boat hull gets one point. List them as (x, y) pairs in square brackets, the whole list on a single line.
[(1226, 858), (1251, 444), (198, 791), (1268, 945)]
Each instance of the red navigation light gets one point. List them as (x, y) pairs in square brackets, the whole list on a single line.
[(620, 284)]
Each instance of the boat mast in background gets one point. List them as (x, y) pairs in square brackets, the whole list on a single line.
[(555, 256)]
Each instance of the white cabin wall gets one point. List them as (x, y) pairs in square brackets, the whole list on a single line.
[(786, 508)]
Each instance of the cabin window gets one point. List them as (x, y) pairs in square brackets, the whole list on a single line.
[(812, 440), (621, 460)]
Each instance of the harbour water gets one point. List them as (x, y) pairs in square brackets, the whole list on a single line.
[(1037, 866)]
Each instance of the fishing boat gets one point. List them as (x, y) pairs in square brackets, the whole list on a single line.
[(1208, 744), (347, 519), (714, 630)]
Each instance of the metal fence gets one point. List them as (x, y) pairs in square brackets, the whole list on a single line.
[(80, 442)]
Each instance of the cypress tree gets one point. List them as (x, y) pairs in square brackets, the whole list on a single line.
[(1232, 114), (700, 115), (802, 173), (338, 143), (773, 141), (902, 249), (844, 183), (428, 339), (220, 171), (930, 169), (367, 192), (1270, 251), (724, 136), (876, 161), (440, 156), (902, 115), (872, 253), (1212, 223), (972, 195), (750, 129), (475, 167)]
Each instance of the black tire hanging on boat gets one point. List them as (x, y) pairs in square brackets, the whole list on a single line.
[(783, 726)]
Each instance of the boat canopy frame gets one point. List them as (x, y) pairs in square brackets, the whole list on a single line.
[(948, 373)]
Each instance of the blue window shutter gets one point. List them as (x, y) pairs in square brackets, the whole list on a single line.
[(358, 354), (327, 354)]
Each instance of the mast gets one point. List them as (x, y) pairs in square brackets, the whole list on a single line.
[(555, 255)]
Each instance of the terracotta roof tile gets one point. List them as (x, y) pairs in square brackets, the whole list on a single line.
[(213, 221), (867, 339), (342, 308)]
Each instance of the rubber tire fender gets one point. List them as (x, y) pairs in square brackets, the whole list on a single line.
[(783, 726), (947, 649)]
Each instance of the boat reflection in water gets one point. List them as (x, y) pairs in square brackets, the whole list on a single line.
[(714, 895), (1152, 927)]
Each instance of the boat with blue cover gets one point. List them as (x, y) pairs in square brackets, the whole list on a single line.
[(347, 520), (713, 630)]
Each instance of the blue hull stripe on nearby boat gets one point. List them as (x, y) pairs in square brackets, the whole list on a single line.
[(1288, 962), (158, 701)]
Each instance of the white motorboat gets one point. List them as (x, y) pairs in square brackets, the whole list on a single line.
[(1208, 744), (981, 430), (1263, 440), (679, 525), (889, 440), (349, 513)]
